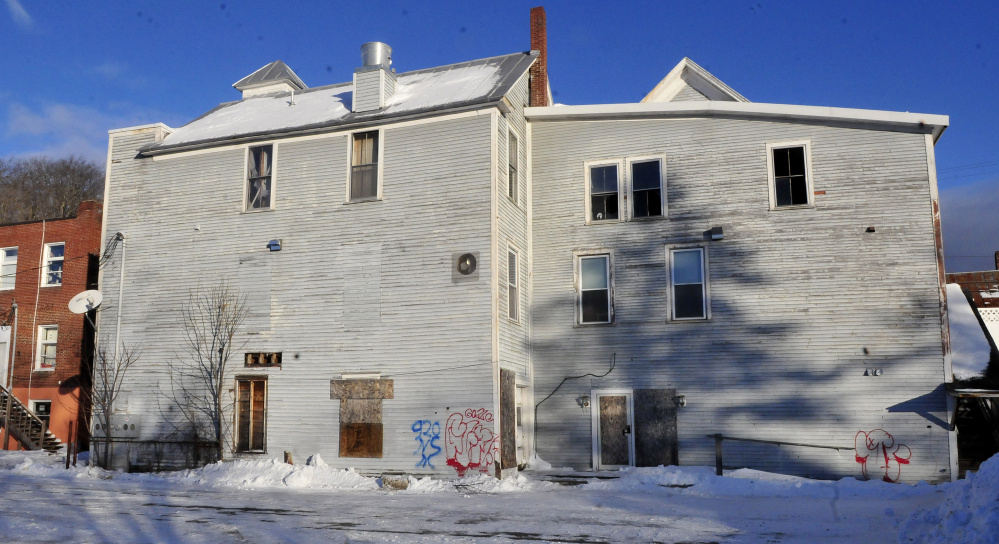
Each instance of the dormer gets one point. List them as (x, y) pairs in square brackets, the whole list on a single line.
[(276, 77), (374, 81), (688, 81)]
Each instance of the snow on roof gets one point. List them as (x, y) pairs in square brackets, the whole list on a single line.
[(969, 346), (474, 82)]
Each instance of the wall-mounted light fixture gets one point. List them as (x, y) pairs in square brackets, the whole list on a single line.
[(717, 233), (871, 229), (274, 245), (583, 401), (680, 401)]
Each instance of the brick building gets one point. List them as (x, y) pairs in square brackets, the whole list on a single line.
[(43, 264)]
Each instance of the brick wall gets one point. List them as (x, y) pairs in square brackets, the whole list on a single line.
[(539, 71)]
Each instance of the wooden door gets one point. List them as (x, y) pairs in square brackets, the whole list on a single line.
[(615, 440)]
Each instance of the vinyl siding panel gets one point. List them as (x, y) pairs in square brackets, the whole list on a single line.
[(802, 300), (357, 287)]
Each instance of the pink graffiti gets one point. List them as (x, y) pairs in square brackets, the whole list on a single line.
[(468, 443), (880, 446)]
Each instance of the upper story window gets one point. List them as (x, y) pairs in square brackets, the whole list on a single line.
[(258, 177), (688, 284), (47, 338), (790, 174), (8, 267), (364, 166), (594, 289), (513, 285), (603, 191), (646, 187), (513, 156), (54, 255)]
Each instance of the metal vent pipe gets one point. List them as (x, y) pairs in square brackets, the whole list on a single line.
[(376, 54)]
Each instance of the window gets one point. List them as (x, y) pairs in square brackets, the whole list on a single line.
[(42, 410), (513, 156), (251, 398), (688, 286), (646, 188), (47, 337), (594, 289), (258, 178), (262, 359), (603, 192), (8, 267), (790, 183), (54, 254), (513, 287), (364, 166)]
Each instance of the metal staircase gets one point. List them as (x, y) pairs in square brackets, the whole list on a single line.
[(31, 432)]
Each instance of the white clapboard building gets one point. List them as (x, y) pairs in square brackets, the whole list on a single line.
[(446, 274)]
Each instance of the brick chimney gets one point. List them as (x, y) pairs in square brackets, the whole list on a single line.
[(539, 70)]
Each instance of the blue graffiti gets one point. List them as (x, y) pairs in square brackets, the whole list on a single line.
[(427, 434)]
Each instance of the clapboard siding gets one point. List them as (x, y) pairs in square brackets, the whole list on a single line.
[(802, 300), (514, 337), (185, 226)]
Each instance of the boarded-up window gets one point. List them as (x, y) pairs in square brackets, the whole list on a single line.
[(364, 166), (251, 415), (361, 429)]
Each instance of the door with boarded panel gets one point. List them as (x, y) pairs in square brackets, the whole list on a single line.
[(508, 418), (615, 446), (655, 428), (251, 420)]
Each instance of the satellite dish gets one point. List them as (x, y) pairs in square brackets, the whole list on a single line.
[(85, 301)]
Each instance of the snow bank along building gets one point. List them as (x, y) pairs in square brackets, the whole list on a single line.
[(445, 273)]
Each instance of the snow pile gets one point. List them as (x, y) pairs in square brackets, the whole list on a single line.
[(969, 345), (274, 473), (969, 514), (480, 483), (752, 483)]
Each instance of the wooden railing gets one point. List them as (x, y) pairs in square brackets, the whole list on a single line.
[(27, 428)]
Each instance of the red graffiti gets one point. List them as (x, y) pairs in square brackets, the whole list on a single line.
[(880, 446), (468, 443)]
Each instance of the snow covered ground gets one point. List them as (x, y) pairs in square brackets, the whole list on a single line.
[(268, 501)]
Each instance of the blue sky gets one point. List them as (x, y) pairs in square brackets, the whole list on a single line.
[(73, 70)]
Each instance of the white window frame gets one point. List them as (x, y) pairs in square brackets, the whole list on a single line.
[(40, 348), (705, 283), (11, 280), (31, 406), (513, 302), (49, 259), (578, 257), (809, 185), (622, 210), (515, 162), (379, 170), (246, 176), (631, 186)]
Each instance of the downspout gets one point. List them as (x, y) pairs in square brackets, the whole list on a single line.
[(34, 316)]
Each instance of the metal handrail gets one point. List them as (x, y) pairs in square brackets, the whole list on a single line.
[(718, 446)]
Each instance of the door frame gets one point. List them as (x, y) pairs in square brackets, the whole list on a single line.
[(595, 395)]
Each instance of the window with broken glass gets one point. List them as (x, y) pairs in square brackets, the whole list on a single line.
[(258, 178), (364, 166), (513, 153), (790, 176), (603, 185), (52, 269), (594, 289), (646, 188)]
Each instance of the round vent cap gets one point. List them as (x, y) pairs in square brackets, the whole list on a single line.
[(466, 264)]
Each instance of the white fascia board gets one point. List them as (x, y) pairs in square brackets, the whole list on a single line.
[(160, 126), (736, 109)]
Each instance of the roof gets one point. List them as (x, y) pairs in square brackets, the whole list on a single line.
[(688, 81), (272, 73), (885, 120), (431, 90)]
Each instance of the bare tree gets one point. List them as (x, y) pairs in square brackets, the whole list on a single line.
[(109, 375), (43, 188), (200, 376)]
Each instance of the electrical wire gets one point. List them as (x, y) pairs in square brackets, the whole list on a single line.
[(105, 258), (613, 362)]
